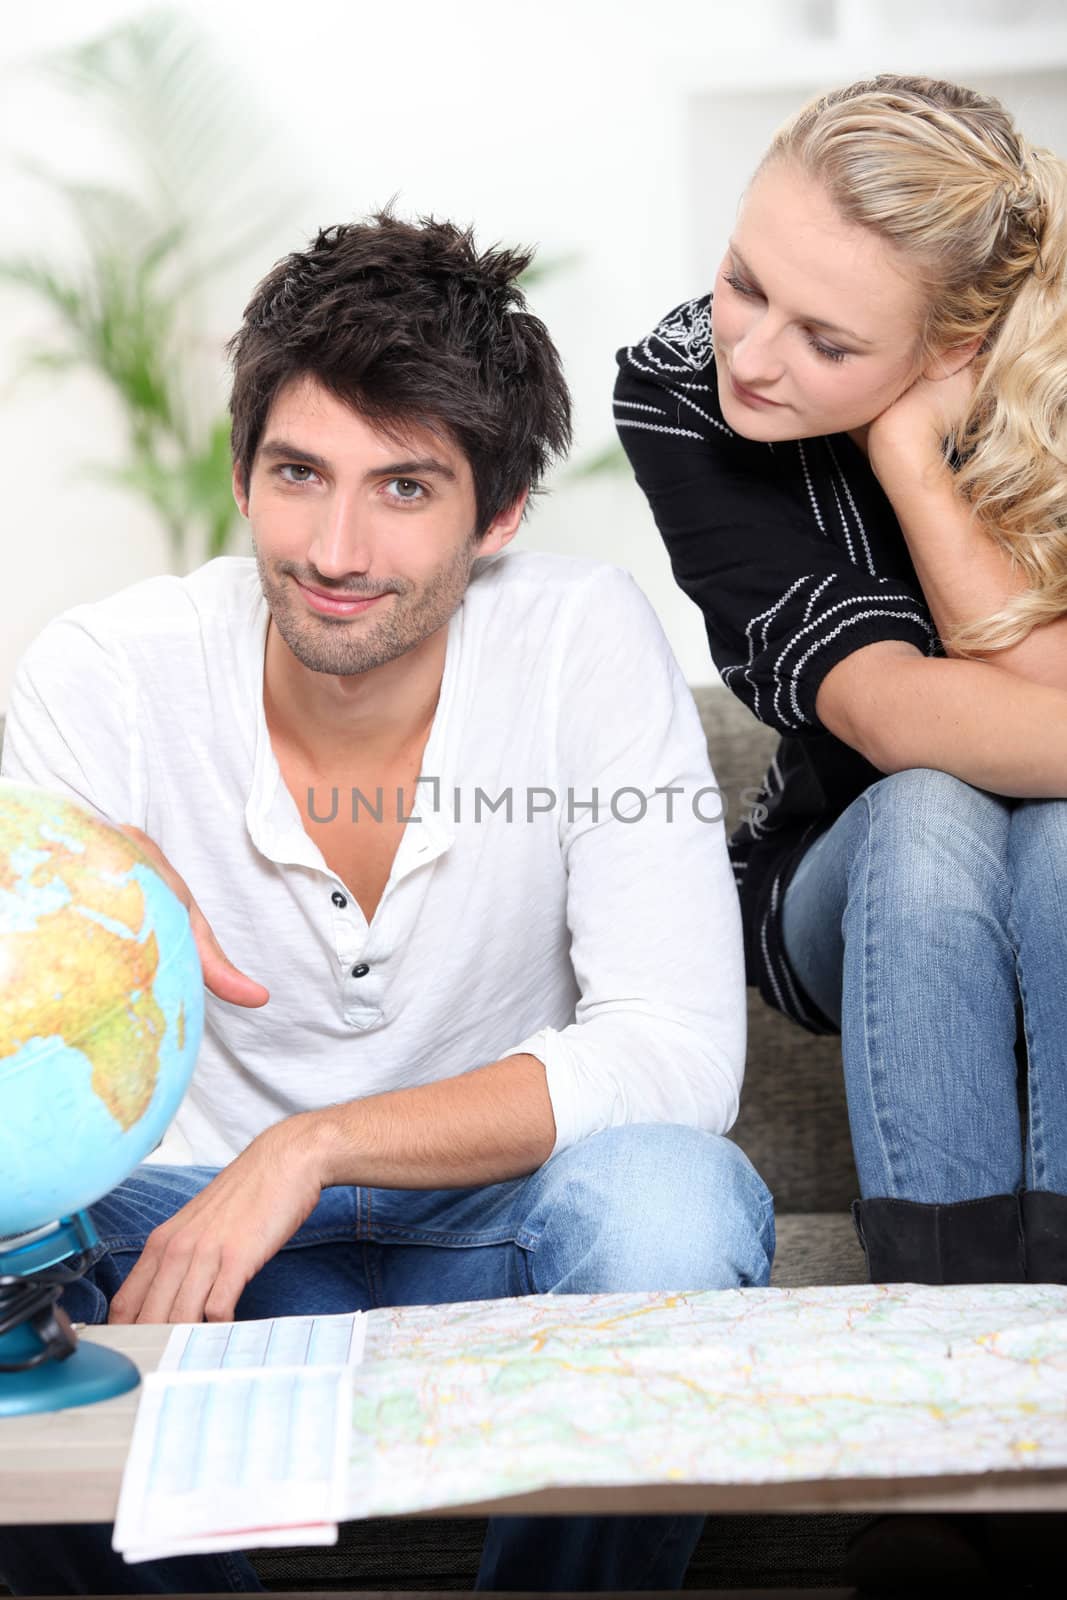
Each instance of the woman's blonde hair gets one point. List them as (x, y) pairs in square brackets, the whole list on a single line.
[(942, 173)]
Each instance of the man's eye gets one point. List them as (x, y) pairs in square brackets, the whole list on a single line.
[(296, 472), (405, 489)]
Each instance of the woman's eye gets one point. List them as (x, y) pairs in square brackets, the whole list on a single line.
[(405, 489), (827, 351)]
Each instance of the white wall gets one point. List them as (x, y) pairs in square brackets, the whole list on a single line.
[(607, 128)]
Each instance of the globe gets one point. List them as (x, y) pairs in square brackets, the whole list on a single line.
[(101, 1007)]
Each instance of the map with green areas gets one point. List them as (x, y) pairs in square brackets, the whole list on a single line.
[(458, 1404)]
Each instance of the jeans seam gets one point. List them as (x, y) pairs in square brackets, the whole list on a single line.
[(393, 1233), (1034, 1119), (372, 1275), (135, 1241), (869, 989), (528, 1254)]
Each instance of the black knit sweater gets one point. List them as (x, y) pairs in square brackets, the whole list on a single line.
[(795, 557)]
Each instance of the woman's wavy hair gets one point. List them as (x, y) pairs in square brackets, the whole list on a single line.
[(942, 173)]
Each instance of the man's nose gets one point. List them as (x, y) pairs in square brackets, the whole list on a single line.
[(342, 539)]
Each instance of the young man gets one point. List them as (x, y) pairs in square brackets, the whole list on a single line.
[(478, 1029)]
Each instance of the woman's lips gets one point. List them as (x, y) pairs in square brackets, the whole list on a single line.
[(747, 397), (336, 606)]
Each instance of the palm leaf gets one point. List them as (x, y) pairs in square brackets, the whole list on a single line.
[(545, 267), (125, 308), (167, 98), (47, 282), (609, 461)]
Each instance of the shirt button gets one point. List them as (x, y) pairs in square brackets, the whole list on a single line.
[(339, 899), (361, 970)]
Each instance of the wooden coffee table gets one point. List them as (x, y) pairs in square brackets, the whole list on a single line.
[(66, 1466)]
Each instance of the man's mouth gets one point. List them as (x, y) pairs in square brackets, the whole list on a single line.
[(337, 603)]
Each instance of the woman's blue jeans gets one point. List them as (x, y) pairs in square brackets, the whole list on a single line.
[(633, 1208), (921, 921)]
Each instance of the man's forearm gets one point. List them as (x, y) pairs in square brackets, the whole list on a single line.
[(482, 1127), (490, 1124), (965, 577)]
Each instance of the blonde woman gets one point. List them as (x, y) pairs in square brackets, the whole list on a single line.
[(855, 452)]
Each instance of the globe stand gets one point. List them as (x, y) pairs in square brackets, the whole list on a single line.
[(42, 1365)]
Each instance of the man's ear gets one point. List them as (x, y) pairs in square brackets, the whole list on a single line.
[(951, 361), (240, 494), (504, 527)]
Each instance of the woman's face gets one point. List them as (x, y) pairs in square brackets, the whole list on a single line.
[(815, 320)]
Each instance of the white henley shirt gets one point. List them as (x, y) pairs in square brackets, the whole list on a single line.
[(606, 942)]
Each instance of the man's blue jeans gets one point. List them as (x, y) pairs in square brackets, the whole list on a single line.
[(920, 921), (633, 1208)]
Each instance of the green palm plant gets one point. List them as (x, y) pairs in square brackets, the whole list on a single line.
[(127, 305), (127, 308)]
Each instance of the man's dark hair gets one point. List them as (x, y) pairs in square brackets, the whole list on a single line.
[(410, 325)]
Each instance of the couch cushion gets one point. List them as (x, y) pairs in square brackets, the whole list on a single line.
[(816, 1247), (794, 1121)]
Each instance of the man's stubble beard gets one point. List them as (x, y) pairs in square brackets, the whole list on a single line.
[(346, 646)]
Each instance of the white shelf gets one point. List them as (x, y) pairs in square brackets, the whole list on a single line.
[(933, 52)]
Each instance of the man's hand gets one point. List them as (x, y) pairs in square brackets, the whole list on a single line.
[(220, 975), (194, 1267)]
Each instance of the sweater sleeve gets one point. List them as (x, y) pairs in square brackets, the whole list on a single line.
[(757, 534)]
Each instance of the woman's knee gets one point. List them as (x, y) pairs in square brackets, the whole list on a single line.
[(932, 840), (652, 1206), (922, 804)]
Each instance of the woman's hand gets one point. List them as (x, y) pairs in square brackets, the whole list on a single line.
[(913, 427)]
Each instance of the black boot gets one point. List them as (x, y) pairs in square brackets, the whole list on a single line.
[(972, 1241), (1045, 1235), (907, 1241)]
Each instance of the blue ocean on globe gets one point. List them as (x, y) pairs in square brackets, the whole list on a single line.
[(101, 1007)]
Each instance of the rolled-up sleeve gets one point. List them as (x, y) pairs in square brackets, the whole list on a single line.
[(659, 1029)]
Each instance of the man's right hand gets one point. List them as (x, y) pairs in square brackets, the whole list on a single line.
[(220, 975)]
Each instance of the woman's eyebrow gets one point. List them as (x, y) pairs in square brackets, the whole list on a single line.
[(816, 322)]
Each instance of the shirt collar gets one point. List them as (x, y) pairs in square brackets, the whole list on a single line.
[(271, 816)]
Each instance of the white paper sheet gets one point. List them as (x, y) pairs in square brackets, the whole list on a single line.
[(335, 1341), (241, 1438), (229, 1455)]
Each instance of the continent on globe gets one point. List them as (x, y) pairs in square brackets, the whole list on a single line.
[(101, 1006)]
